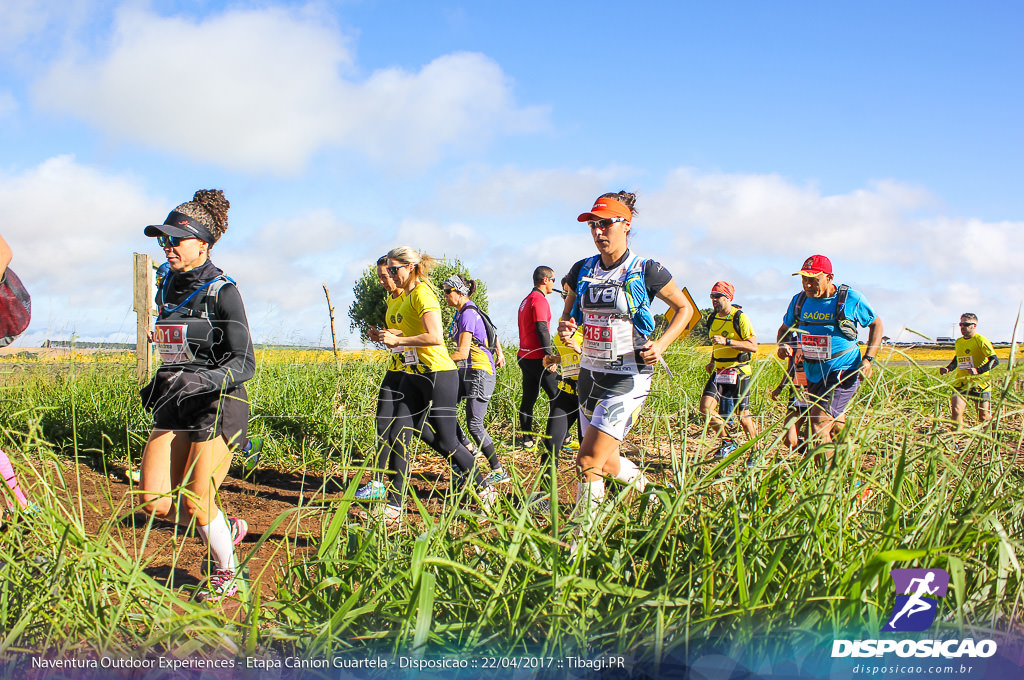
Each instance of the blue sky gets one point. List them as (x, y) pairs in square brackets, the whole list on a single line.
[(885, 135)]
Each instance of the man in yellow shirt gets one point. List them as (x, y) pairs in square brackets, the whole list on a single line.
[(975, 358), (728, 386)]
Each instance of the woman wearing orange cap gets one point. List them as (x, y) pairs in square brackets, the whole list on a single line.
[(610, 295)]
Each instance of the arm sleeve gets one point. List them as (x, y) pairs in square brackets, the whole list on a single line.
[(992, 362), (544, 333), (951, 366), (233, 350)]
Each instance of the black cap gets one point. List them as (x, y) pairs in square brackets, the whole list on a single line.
[(180, 225)]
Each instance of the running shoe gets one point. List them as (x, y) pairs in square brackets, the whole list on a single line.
[(498, 476), (223, 583), (387, 514), (134, 476), (487, 496), (251, 455), (727, 447), (539, 503), (373, 491), (526, 443), (239, 528)]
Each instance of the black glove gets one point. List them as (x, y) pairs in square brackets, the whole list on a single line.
[(155, 392)]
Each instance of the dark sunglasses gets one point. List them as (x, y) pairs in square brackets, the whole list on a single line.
[(394, 270), (605, 223), (965, 325), (171, 241), (447, 290)]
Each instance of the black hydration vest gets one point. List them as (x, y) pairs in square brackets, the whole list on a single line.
[(847, 327), (196, 312)]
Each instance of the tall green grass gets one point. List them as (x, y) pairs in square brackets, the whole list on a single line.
[(783, 554)]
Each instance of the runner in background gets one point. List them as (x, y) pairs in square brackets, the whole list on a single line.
[(477, 368), (388, 395), (823, 319), (534, 345), (565, 407), (198, 397), (728, 386), (430, 384), (610, 298), (6, 468), (796, 421), (973, 362)]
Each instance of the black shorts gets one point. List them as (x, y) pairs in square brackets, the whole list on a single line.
[(738, 394), (977, 395), (206, 416)]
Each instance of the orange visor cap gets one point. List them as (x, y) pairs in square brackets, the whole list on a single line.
[(605, 208)]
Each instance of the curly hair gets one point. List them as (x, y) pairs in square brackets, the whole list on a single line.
[(210, 207)]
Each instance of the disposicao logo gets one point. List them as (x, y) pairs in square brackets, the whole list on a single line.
[(917, 598), (918, 592)]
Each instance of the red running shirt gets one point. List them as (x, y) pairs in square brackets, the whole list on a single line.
[(532, 309)]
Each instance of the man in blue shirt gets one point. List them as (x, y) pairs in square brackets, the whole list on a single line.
[(823, 320)]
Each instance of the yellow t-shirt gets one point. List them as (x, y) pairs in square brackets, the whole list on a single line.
[(395, 362), (569, 361), (725, 357), (409, 320), (972, 354)]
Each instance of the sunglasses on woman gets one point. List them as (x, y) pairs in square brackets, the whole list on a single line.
[(171, 241), (605, 223), (394, 270)]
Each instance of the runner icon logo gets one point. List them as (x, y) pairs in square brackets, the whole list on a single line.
[(917, 598)]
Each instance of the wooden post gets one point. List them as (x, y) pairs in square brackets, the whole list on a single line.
[(144, 292), (334, 340)]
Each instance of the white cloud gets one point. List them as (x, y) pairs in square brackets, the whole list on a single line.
[(20, 19), (262, 90), (918, 270)]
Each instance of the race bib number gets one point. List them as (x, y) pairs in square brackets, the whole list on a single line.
[(727, 376), (171, 341), (570, 366), (408, 356), (816, 347), (598, 341), (965, 363), (606, 338)]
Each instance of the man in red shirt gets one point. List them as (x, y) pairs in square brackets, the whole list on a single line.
[(534, 344)]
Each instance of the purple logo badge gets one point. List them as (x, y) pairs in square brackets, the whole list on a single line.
[(917, 598)]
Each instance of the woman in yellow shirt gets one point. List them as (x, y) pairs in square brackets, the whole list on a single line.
[(431, 380)]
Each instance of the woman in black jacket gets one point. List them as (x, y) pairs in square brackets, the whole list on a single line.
[(198, 398)]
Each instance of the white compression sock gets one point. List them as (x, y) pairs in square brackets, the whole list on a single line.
[(217, 535), (629, 474), (589, 496)]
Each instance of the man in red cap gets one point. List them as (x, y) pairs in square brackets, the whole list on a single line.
[(728, 386), (823, 320)]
